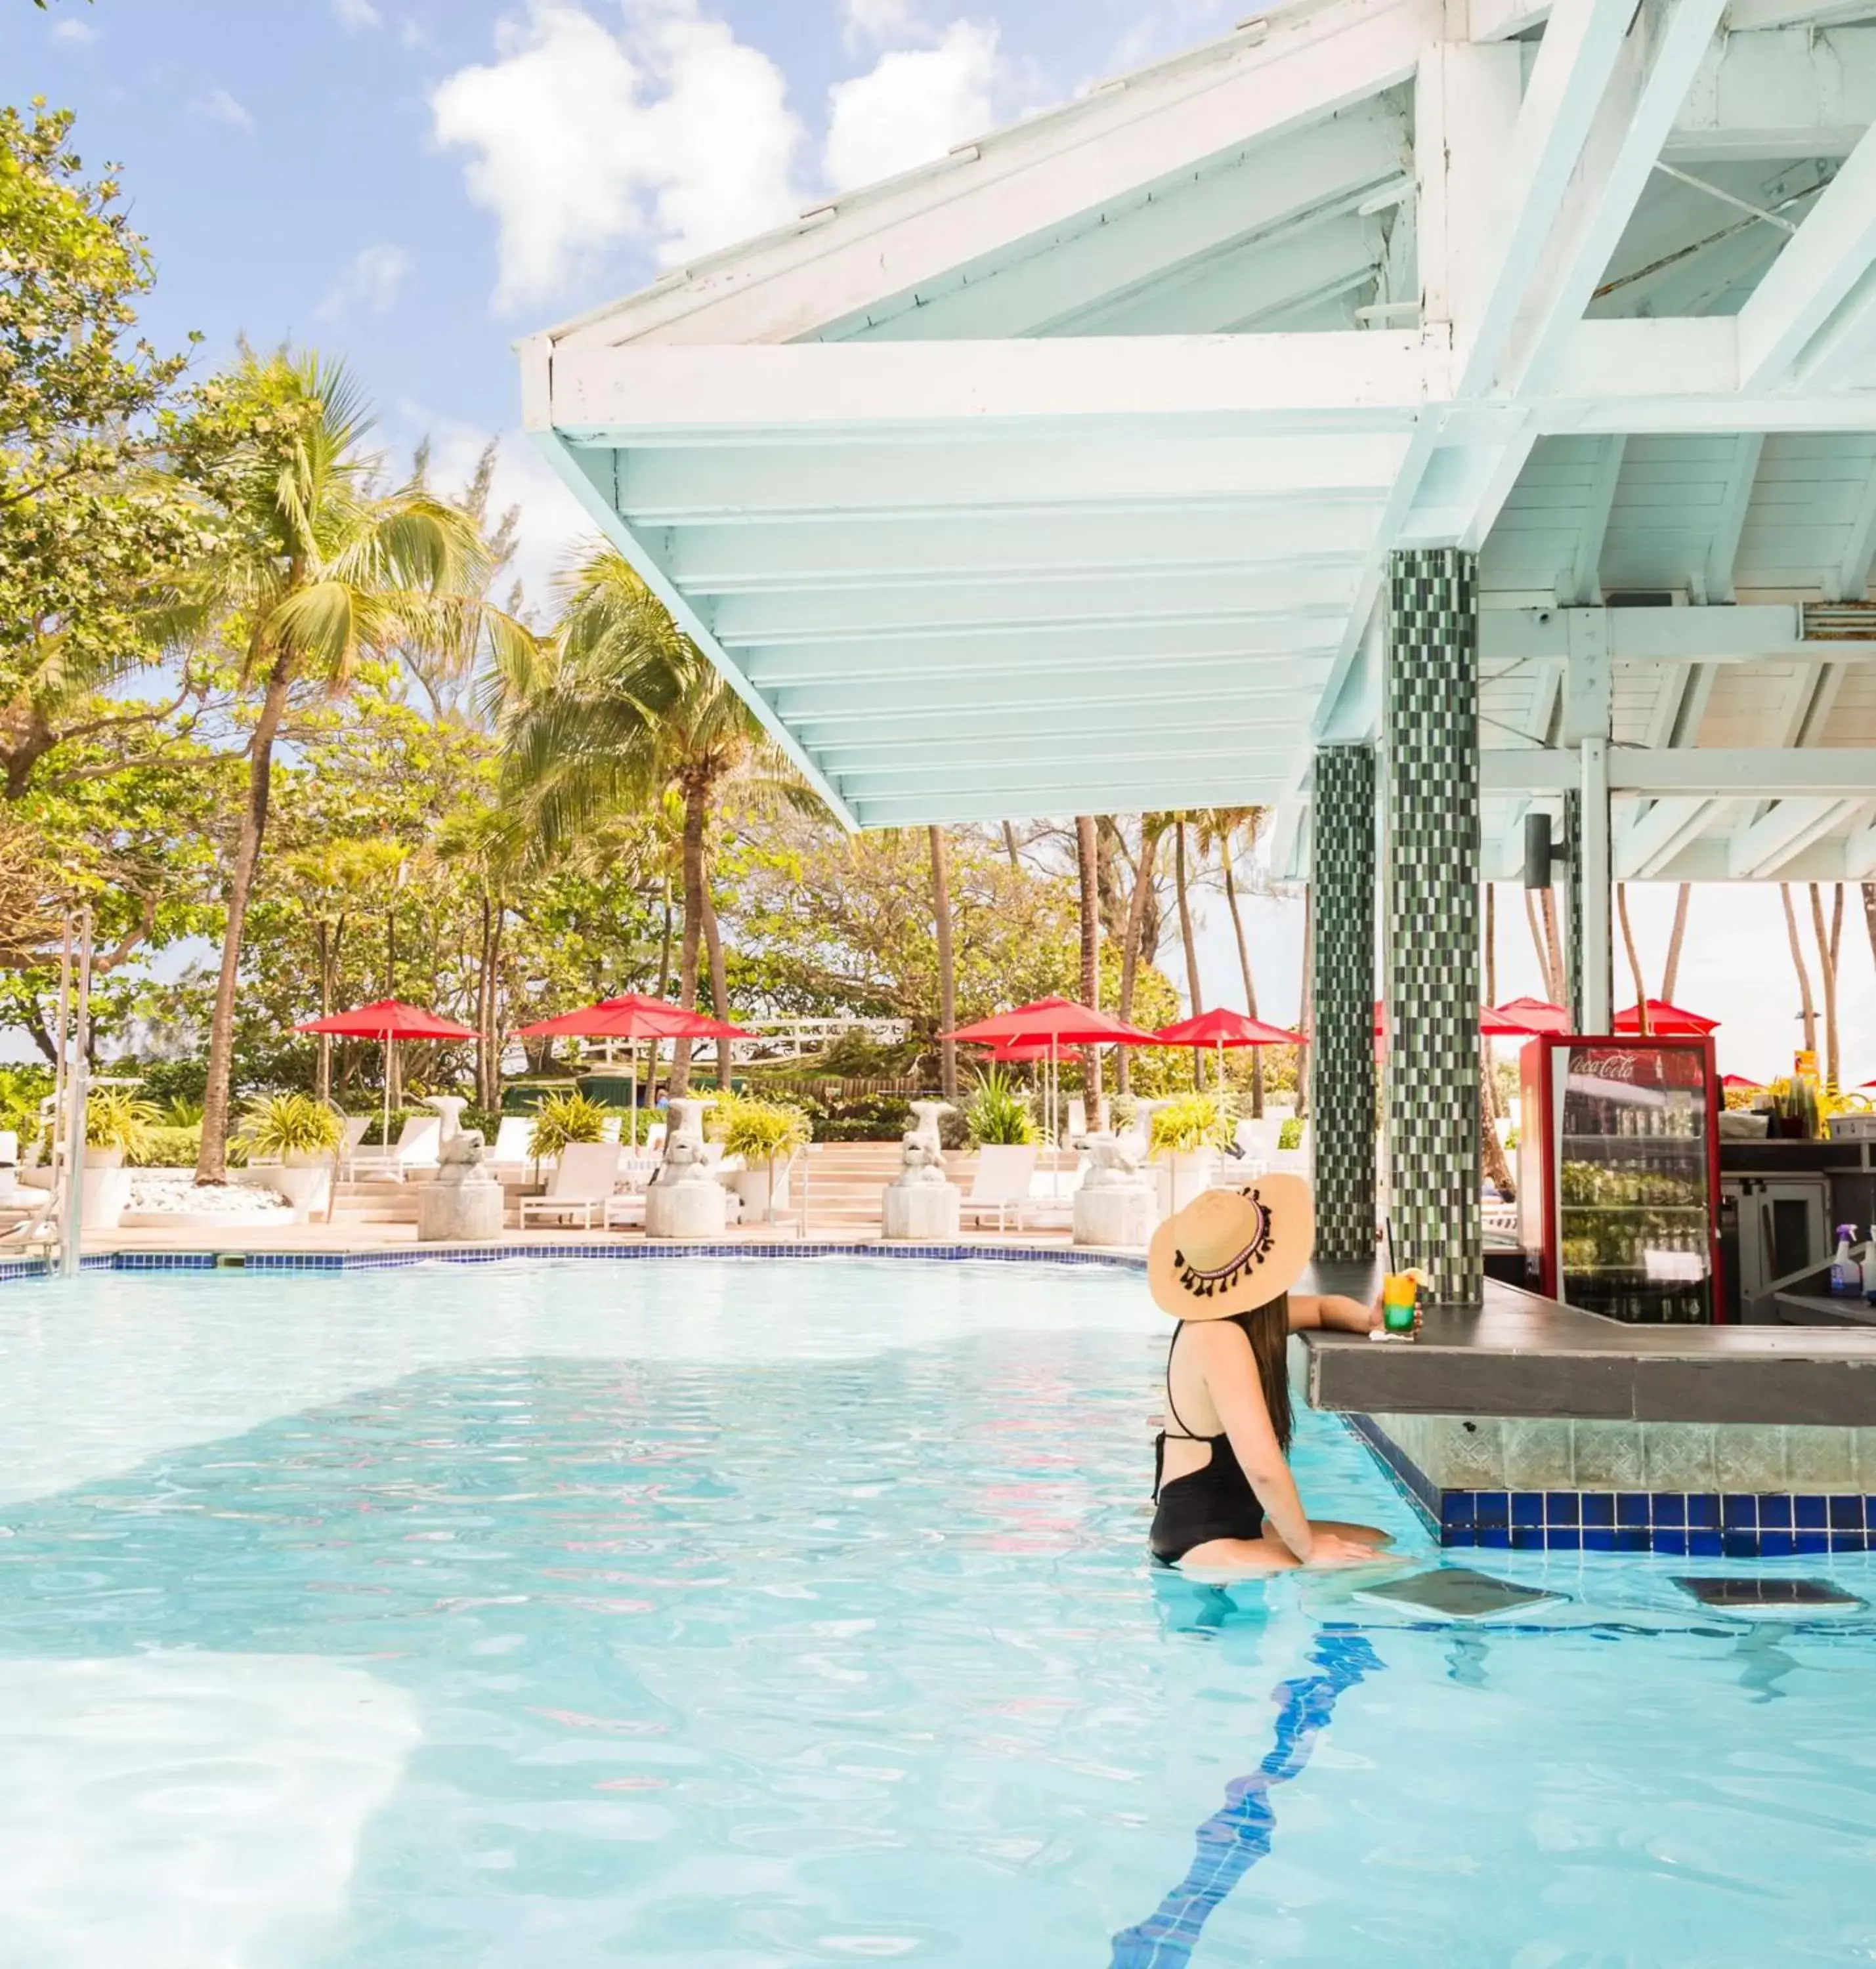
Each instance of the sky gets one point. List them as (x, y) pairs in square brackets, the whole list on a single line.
[(415, 184)]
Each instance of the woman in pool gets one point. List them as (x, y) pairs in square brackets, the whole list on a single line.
[(1224, 1499)]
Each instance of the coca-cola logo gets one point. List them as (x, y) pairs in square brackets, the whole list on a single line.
[(1608, 1066)]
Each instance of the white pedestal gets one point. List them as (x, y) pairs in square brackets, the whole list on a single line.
[(925, 1212), (1184, 1178), (686, 1209), (458, 1212), (1122, 1215), (106, 1196), (307, 1187)]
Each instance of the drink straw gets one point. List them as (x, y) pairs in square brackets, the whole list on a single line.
[(1387, 1229)]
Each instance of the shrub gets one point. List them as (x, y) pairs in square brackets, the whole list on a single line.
[(758, 1130), (169, 1147), (998, 1112), (1190, 1122), (22, 1090), (115, 1119), (1290, 1133), (282, 1124), (562, 1119)]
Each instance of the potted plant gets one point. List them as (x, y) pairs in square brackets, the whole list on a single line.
[(1188, 1131), (564, 1118), (759, 1132), (997, 1112), (301, 1136), (117, 1131)]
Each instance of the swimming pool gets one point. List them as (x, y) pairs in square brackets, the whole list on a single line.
[(740, 1614)]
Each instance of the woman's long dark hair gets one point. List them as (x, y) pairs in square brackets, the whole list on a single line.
[(1268, 1329)]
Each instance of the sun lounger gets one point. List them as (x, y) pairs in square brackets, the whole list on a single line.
[(511, 1159), (415, 1148), (581, 1186), (1000, 1182)]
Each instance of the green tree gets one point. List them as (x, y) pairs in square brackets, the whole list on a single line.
[(312, 567), (89, 534), (623, 711), (1225, 831)]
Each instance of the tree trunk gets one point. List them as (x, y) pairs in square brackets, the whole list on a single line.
[(947, 972), (1670, 970), (1634, 962), (664, 948), (696, 812), (720, 982), (1193, 992), (1804, 977), (1009, 846), (1088, 870), (1130, 944), (1250, 984), (212, 1162), (1828, 945), (322, 932), (489, 1043), (393, 1072), (1536, 944), (1560, 970)]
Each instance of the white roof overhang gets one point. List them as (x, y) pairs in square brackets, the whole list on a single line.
[(1061, 476)]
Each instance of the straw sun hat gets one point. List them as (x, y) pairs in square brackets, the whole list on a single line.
[(1232, 1250)]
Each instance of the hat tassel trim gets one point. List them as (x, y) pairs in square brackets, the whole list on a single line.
[(1207, 1281)]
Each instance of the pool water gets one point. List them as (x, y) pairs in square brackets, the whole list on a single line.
[(750, 1613)]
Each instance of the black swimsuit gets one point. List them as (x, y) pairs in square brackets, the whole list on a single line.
[(1215, 1501)]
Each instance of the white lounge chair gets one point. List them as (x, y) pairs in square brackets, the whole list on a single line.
[(609, 1128), (1000, 1182), (354, 1128), (511, 1158), (1294, 1161), (581, 1186), (1257, 1144), (415, 1148)]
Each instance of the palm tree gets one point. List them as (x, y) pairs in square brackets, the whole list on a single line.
[(1181, 886), (621, 711), (947, 968), (1152, 825), (313, 567), (1224, 829), (1087, 868)]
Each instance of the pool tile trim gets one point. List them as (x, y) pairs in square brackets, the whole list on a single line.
[(333, 1262), (1677, 1524)]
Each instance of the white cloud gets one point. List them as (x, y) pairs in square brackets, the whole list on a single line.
[(912, 106), (370, 281), (216, 105), (356, 17), (74, 34), (673, 132), (880, 21)]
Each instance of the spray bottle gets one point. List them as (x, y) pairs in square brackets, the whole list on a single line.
[(1846, 1275)]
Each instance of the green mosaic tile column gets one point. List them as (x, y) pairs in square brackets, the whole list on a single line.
[(1573, 900), (1341, 998), (1432, 918)]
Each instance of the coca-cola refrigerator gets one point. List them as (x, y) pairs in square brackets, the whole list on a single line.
[(1619, 1176)]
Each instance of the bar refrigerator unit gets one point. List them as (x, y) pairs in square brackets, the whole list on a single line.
[(1619, 1176)]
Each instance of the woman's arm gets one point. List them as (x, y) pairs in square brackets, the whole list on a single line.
[(1230, 1379), (1333, 1310)]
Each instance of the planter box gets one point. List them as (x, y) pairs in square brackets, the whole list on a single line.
[(1181, 1176)]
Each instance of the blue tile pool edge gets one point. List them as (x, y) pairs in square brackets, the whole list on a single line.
[(332, 1262), (1677, 1524)]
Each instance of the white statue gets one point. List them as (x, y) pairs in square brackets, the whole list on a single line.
[(1116, 1159), (449, 1107), (686, 1159), (922, 1155), (459, 1160)]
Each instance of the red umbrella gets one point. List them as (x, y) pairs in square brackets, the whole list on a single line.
[(1664, 1020), (634, 1017), (1521, 1017), (1738, 1084), (388, 1021), (1016, 1053), (1222, 1027), (1061, 1021)]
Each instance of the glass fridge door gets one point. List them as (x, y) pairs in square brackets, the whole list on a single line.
[(1633, 1210)]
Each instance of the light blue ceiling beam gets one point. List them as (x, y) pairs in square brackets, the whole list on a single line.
[(723, 560), (980, 472), (1223, 207), (1019, 796), (824, 711), (864, 770), (865, 615)]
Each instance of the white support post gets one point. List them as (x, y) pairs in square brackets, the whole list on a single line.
[(1597, 950), (77, 1088)]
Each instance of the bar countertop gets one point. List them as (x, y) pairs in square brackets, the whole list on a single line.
[(1522, 1354)]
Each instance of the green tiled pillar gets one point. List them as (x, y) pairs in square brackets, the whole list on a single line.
[(1341, 994), (1432, 918)]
